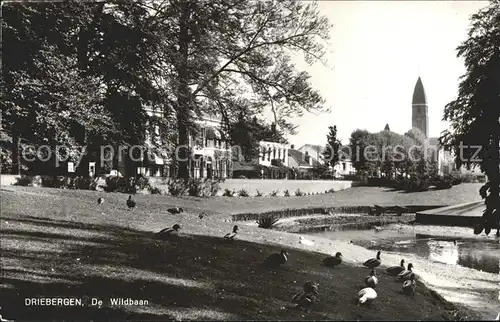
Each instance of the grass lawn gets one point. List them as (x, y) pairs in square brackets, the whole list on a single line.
[(356, 196), (59, 243)]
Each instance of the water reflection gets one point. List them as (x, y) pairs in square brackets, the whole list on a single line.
[(476, 254), (443, 251)]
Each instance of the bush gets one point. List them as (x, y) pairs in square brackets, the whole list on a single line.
[(299, 193), (242, 193), (287, 193), (441, 182), (120, 184), (274, 193), (331, 190), (267, 222), (23, 181), (193, 187), (415, 184), (155, 191), (228, 193), (258, 193)]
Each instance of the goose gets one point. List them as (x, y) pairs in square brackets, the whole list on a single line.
[(169, 232), (373, 262), (100, 201), (231, 236), (372, 280), (395, 270), (202, 215), (306, 298), (366, 294), (304, 241), (276, 260), (333, 261), (130, 203), (175, 211), (406, 274), (410, 285)]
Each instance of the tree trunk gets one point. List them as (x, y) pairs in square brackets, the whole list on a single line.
[(16, 160), (183, 95)]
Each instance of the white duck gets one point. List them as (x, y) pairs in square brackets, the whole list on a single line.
[(366, 294), (304, 241)]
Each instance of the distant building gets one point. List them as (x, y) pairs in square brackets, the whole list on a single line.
[(314, 151), (211, 153), (420, 121)]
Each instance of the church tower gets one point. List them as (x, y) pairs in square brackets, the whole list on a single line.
[(419, 118)]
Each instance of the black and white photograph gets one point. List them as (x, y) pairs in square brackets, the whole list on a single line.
[(250, 160)]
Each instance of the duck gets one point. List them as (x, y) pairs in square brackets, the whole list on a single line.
[(169, 232), (202, 215), (307, 297), (372, 280), (406, 274), (395, 270), (373, 262), (377, 228), (175, 211), (410, 285), (332, 261), (367, 294), (100, 201), (276, 260), (130, 203), (304, 241), (230, 236)]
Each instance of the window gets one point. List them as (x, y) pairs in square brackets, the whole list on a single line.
[(343, 166), (269, 155)]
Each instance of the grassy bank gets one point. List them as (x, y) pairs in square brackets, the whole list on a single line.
[(60, 243)]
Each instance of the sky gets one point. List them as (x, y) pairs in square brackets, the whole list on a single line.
[(376, 53)]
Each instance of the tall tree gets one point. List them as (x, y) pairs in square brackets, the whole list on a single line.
[(474, 115), (224, 50), (331, 153)]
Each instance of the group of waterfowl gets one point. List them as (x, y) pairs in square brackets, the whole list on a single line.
[(307, 296), (402, 274)]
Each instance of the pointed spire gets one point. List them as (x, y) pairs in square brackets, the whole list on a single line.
[(419, 93), (387, 127)]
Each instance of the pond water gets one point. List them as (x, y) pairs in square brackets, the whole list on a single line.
[(481, 255)]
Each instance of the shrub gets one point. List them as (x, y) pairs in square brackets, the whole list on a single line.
[(267, 222), (258, 193), (441, 182), (177, 187), (120, 184), (199, 187), (417, 184), (155, 191), (243, 193), (331, 190), (299, 193), (228, 193), (274, 193), (455, 180), (24, 181), (287, 193)]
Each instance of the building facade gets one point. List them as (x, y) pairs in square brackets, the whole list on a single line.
[(273, 154), (211, 153)]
